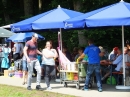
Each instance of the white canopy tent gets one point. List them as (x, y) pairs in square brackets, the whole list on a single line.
[(5, 33), (6, 26)]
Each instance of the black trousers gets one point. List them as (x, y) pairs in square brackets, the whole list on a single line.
[(49, 71), (16, 56)]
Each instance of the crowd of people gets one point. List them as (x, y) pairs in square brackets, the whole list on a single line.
[(44, 63), (103, 65)]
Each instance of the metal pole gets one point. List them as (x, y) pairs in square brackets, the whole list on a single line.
[(61, 39), (123, 54)]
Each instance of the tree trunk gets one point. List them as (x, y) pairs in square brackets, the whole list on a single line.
[(28, 7), (6, 15), (40, 5), (82, 38), (77, 4)]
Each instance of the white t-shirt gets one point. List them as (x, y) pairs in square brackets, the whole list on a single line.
[(48, 61), (112, 52)]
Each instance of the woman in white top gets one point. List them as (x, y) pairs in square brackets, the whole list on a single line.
[(49, 56)]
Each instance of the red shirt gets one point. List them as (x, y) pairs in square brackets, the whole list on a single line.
[(32, 49)]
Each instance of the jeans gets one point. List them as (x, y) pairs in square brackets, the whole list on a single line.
[(24, 65), (90, 69), (49, 71), (34, 64)]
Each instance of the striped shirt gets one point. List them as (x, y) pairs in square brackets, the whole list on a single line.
[(32, 50)]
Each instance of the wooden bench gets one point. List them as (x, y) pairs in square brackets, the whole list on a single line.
[(119, 74)]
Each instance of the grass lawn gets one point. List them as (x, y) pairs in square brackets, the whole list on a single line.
[(11, 91)]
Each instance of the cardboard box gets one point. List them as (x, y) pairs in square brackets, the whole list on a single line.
[(6, 73)]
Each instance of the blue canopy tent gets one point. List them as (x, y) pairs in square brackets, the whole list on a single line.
[(53, 19), (106, 16), (114, 15), (23, 37)]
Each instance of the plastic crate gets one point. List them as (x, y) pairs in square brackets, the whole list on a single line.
[(18, 74), (70, 75), (75, 76)]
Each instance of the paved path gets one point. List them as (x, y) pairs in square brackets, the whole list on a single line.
[(108, 90)]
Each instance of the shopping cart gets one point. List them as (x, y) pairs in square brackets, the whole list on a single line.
[(76, 76)]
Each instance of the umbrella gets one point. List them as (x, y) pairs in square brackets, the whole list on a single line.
[(5, 33), (106, 16), (23, 37), (117, 14), (53, 19), (5, 26)]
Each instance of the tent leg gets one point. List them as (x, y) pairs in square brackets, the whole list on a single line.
[(123, 86)]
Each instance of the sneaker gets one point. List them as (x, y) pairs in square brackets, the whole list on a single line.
[(38, 87), (100, 90), (49, 88), (29, 88), (85, 89)]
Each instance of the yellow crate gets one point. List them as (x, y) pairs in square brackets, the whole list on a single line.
[(70, 75)]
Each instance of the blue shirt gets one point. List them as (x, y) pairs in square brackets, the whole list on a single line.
[(92, 52), (118, 62), (39, 57)]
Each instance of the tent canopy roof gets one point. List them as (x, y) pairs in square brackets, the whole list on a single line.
[(5, 33)]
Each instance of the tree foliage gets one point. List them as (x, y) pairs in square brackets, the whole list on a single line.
[(12, 11)]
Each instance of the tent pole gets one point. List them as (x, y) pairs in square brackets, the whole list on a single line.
[(123, 86), (123, 54), (61, 39)]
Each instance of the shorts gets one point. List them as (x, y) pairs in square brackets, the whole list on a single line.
[(24, 65), (18, 64)]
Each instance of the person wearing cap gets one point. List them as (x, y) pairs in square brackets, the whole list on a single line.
[(30, 52), (116, 63)]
